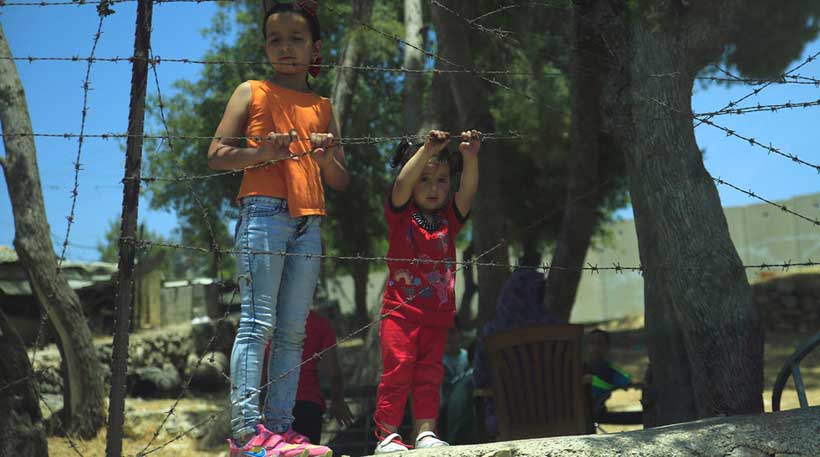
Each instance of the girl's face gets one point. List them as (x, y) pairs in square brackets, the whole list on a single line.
[(289, 44), (432, 188)]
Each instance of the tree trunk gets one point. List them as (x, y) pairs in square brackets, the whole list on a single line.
[(472, 98), (343, 89), (21, 424), (584, 192), (360, 273), (785, 434), (83, 411), (351, 55), (413, 87), (704, 333)]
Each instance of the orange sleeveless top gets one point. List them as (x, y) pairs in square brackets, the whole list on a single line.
[(275, 109)]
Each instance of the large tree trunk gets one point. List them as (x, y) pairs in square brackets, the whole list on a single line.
[(83, 411), (584, 192), (787, 434), (21, 423), (704, 333), (472, 98)]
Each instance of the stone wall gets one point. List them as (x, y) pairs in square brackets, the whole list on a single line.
[(161, 357), (789, 302)]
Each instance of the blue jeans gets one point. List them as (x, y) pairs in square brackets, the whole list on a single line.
[(276, 293)]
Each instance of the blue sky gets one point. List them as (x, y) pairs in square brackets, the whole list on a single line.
[(54, 94)]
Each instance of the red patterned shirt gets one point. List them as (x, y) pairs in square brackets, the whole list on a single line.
[(422, 292)]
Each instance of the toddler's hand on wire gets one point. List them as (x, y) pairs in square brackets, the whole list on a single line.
[(322, 145), (470, 143), (436, 141), (276, 146)]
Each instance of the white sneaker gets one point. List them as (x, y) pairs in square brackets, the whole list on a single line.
[(391, 444), (428, 439)]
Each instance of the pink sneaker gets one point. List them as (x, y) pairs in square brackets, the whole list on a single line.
[(314, 450), (255, 447)]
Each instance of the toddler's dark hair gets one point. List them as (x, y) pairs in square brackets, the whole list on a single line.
[(407, 148), (305, 8)]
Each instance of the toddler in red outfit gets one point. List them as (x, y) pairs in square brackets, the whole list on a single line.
[(423, 220)]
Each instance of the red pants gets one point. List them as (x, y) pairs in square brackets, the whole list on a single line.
[(412, 360)]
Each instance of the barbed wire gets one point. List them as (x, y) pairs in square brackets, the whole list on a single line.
[(494, 31), (782, 79), (181, 60), (518, 5), (753, 142), (364, 140), (757, 90), (753, 194), (731, 132), (77, 165), (759, 108)]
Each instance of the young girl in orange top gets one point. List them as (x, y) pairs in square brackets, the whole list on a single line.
[(290, 152)]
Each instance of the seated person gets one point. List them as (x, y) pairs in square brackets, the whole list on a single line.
[(456, 415), (602, 377)]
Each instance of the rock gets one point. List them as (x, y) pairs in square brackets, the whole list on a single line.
[(154, 382), (208, 373), (787, 432), (744, 451)]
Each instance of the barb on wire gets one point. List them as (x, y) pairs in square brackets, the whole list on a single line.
[(754, 142), (753, 194)]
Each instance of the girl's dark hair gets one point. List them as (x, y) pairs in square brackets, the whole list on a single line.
[(305, 8), (407, 148)]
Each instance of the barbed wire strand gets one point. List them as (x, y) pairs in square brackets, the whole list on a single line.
[(753, 142), (773, 108), (753, 194), (757, 90)]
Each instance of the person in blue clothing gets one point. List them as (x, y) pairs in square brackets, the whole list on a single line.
[(602, 377)]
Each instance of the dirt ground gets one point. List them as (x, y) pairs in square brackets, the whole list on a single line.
[(629, 352)]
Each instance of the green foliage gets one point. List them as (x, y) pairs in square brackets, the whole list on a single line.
[(770, 34)]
